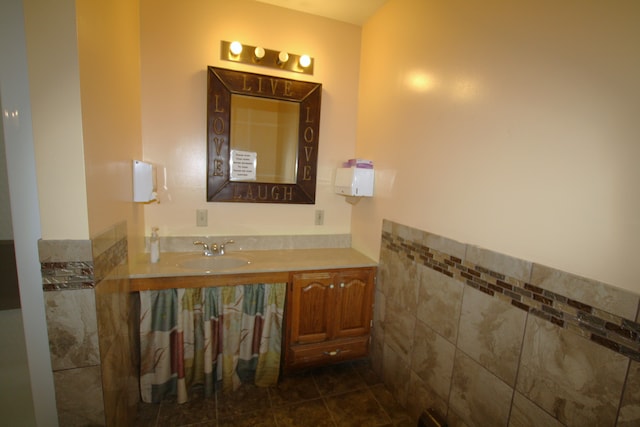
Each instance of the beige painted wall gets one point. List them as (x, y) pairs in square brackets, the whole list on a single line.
[(52, 52), (84, 74), (109, 59), (508, 125), (178, 41)]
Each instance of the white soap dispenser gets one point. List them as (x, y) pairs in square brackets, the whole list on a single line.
[(154, 243)]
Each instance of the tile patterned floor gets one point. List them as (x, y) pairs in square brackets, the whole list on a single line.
[(348, 394)]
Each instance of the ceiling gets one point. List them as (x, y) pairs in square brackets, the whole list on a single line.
[(352, 11)]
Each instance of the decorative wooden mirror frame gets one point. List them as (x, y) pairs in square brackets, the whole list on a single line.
[(221, 84)]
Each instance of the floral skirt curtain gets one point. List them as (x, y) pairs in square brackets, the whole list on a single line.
[(202, 336)]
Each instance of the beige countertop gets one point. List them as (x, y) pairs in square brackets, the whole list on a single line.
[(259, 262)]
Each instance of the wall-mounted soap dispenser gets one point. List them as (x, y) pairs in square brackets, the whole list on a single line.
[(144, 182), (354, 181)]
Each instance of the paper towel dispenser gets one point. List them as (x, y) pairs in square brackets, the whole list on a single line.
[(144, 182), (354, 181)]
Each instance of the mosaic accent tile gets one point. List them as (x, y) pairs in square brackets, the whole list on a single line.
[(540, 298), (105, 240), (76, 272), (58, 276), (109, 259)]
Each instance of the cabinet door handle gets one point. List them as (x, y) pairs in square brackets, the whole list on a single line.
[(332, 353), (331, 286), (342, 285)]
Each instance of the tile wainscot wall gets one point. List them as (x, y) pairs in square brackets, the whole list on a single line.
[(92, 319), (489, 340), (88, 309)]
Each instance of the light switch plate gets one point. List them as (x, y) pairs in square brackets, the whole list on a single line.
[(319, 219)]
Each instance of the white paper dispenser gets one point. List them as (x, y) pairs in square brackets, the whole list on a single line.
[(144, 182), (354, 182)]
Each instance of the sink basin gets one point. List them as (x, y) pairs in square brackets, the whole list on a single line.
[(221, 262)]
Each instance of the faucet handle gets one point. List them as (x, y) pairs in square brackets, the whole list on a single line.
[(221, 249), (203, 244)]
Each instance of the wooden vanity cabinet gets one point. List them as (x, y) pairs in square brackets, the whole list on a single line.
[(328, 316)]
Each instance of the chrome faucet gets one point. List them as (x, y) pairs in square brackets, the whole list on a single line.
[(214, 248), (205, 248)]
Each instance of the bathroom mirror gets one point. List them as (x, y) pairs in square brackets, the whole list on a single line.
[(262, 138)]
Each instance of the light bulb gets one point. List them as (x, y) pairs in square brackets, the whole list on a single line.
[(236, 48), (283, 57), (305, 61), (259, 52)]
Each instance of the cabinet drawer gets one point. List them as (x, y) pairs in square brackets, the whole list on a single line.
[(307, 355)]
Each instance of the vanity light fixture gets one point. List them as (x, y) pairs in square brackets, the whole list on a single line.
[(257, 55)]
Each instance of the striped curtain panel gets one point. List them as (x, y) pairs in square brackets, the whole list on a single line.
[(203, 336)]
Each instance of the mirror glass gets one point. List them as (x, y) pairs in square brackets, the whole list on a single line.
[(263, 139)]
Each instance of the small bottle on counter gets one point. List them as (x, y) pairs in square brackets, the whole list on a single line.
[(154, 243)]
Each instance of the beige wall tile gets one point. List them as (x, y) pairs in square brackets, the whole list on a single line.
[(400, 280), (494, 261), (478, 396), (630, 408), (491, 333), (64, 250), (596, 294), (79, 397), (439, 302), (395, 374), (432, 360), (73, 328), (445, 245), (377, 338), (422, 397), (399, 328), (575, 380), (525, 413)]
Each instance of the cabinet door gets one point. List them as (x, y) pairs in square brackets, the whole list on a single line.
[(354, 303), (312, 301)]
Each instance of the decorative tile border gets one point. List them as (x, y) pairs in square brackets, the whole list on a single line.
[(81, 264), (57, 276), (109, 259), (614, 332)]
